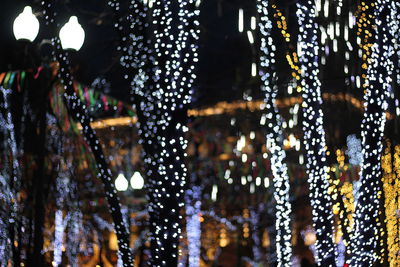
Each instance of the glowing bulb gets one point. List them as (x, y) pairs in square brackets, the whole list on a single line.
[(121, 184), (250, 36), (214, 193), (72, 34), (26, 25), (240, 22), (254, 69), (137, 181)]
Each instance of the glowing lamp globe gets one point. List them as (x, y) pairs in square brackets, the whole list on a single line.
[(137, 181), (72, 34), (121, 183), (26, 25)]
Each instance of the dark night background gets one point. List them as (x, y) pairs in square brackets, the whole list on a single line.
[(224, 70), (225, 54)]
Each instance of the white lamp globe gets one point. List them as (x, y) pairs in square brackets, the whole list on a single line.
[(121, 183), (137, 181), (26, 25), (72, 34)]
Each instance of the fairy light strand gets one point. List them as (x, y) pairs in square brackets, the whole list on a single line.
[(367, 223), (275, 139), (79, 113), (193, 210), (391, 188), (162, 94), (314, 135)]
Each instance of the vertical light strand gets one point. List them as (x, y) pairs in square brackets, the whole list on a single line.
[(7, 179), (367, 222), (396, 34), (314, 135), (364, 34), (193, 227), (391, 188), (275, 138), (79, 113)]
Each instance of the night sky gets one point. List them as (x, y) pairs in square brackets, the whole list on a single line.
[(225, 54)]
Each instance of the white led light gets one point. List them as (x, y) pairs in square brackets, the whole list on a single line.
[(314, 134), (250, 37), (367, 225), (214, 193), (274, 138), (253, 69), (253, 23), (240, 20)]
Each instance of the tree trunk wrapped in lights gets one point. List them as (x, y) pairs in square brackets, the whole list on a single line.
[(275, 139), (161, 72), (314, 135), (367, 229), (78, 112)]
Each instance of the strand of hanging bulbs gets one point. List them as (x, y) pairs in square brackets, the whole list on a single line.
[(79, 113), (275, 138), (291, 58), (193, 227), (367, 223), (364, 35), (396, 16), (314, 135)]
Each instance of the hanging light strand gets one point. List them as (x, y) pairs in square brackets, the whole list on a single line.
[(379, 76), (314, 135), (275, 138)]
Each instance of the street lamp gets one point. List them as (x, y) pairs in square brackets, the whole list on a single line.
[(26, 25), (72, 34), (137, 181)]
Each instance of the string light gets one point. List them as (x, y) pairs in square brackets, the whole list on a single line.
[(161, 103), (314, 135), (275, 138), (391, 188), (367, 225), (79, 113), (193, 228), (10, 182)]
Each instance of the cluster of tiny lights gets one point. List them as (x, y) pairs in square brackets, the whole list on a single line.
[(391, 188), (79, 113), (193, 228), (365, 17), (314, 135), (9, 185), (275, 139), (367, 223), (291, 57), (164, 73)]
